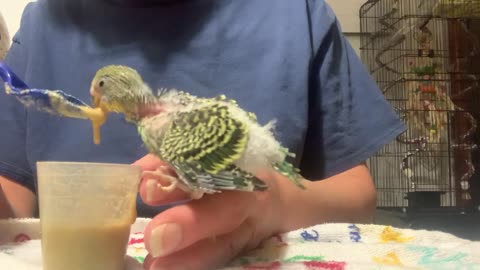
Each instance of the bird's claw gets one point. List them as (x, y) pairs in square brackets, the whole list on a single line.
[(161, 174)]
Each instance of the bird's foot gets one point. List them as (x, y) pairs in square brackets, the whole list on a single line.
[(161, 174)]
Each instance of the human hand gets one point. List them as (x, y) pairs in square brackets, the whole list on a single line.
[(5, 211), (208, 233), (16, 201)]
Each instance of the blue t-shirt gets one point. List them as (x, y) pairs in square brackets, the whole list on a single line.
[(284, 60)]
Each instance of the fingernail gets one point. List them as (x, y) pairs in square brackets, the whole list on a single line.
[(151, 185), (165, 239)]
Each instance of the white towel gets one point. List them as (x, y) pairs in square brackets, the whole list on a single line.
[(334, 246)]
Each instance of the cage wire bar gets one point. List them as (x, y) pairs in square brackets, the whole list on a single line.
[(422, 54)]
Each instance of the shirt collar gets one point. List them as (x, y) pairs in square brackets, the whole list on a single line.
[(145, 3)]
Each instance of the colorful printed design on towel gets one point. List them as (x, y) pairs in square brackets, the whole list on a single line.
[(390, 259), (136, 238), (314, 265), (310, 236), (313, 235), (310, 265), (390, 235), (395, 249), (303, 258), (354, 233), (432, 258), (137, 247)]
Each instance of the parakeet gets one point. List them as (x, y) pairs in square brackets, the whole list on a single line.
[(211, 143)]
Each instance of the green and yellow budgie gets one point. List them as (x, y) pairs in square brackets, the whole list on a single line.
[(211, 143)]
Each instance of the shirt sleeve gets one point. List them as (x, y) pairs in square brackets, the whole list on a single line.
[(13, 157), (349, 117)]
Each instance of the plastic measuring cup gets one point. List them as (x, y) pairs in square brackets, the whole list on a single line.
[(86, 212)]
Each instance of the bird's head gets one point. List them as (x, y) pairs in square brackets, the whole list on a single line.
[(119, 89)]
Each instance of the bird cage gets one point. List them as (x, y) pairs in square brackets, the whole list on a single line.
[(422, 54)]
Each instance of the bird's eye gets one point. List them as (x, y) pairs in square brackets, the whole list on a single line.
[(101, 83)]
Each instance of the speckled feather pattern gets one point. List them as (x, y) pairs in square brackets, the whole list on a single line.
[(215, 134), (259, 151)]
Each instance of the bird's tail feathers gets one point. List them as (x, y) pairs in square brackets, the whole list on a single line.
[(270, 126), (293, 174)]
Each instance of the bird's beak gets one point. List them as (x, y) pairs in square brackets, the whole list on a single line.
[(97, 115), (95, 95), (95, 101)]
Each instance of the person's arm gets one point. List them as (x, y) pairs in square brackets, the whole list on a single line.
[(17, 198), (349, 197), (240, 220), (6, 210), (16, 201)]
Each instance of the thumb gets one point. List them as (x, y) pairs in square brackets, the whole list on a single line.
[(182, 226), (149, 162)]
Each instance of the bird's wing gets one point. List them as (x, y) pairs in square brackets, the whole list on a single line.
[(208, 138), (228, 179)]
